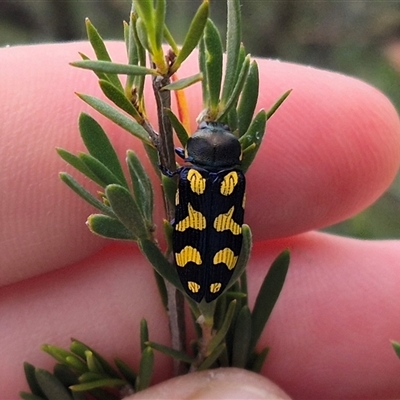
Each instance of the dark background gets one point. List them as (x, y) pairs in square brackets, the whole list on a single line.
[(358, 38)]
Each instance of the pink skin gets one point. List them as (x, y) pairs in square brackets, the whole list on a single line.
[(330, 151)]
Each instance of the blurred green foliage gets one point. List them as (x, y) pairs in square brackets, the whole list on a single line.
[(346, 36)]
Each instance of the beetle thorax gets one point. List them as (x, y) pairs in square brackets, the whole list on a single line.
[(213, 149)]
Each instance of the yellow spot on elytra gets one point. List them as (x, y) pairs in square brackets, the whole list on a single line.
[(177, 198), (188, 254), (224, 222), (194, 220), (197, 182), (193, 286), (215, 287), (226, 256), (229, 183)]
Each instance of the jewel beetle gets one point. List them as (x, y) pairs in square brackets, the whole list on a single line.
[(209, 211)]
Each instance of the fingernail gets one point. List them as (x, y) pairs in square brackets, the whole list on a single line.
[(232, 392)]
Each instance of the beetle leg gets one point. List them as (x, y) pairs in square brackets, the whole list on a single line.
[(180, 152), (165, 171)]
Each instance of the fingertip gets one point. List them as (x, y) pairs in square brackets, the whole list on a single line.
[(217, 384), (330, 150), (335, 287)]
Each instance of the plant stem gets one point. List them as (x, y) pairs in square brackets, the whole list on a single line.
[(207, 335), (206, 322), (163, 100), (166, 152)]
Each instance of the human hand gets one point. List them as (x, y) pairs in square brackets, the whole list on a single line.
[(330, 150)]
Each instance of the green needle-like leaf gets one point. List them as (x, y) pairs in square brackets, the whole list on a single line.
[(30, 375), (244, 255), (169, 188), (101, 383), (210, 360), (78, 164), (109, 227), (179, 129), (203, 69), (126, 36), (76, 364), (277, 104), (142, 187), (99, 146), (159, 262), (170, 40), (184, 82), (233, 40), (126, 371), (145, 11), (252, 139), (118, 117), (232, 119), (109, 67), (86, 195), (131, 49), (96, 41), (220, 311), (51, 386), (100, 50), (220, 336), (159, 22), (268, 295), (241, 338), (234, 97), (396, 348), (30, 396), (248, 98), (100, 75), (162, 289), (137, 58), (65, 357), (82, 395), (90, 377), (213, 64), (175, 354), (152, 155), (151, 29), (127, 210), (193, 35), (146, 369), (144, 334), (119, 99), (101, 171), (65, 375), (93, 364), (203, 309), (255, 132), (243, 287), (79, 348), (168, 230), (143, 39), (259, 360)]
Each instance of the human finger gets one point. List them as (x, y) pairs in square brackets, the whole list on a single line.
[(330, 150), (328, 334), (218, 384)]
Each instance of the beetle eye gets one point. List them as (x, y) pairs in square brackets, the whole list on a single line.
[(203, 125)]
